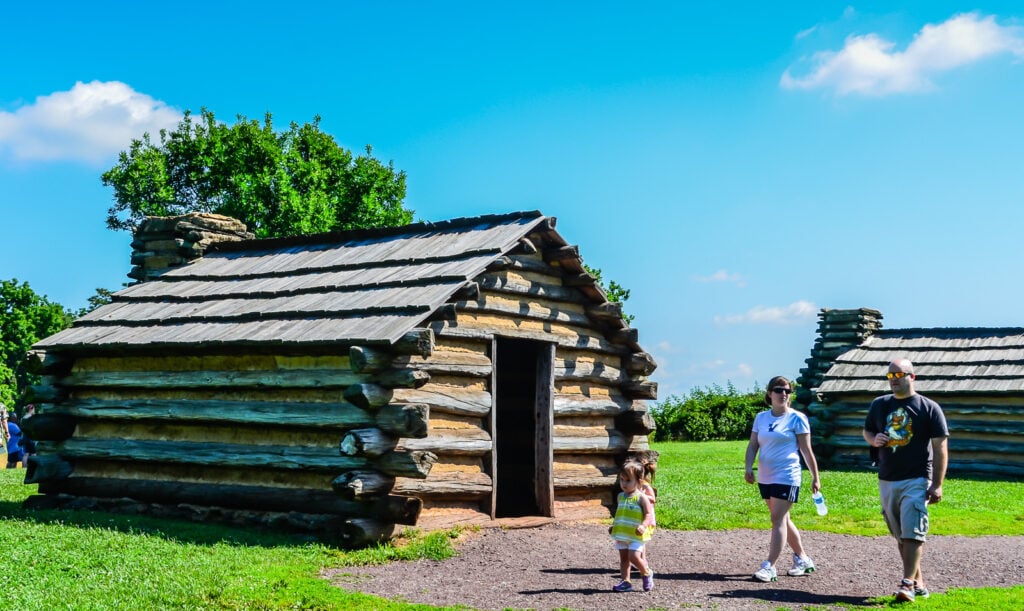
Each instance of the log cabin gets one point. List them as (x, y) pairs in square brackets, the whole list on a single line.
[(345, 384), (975, 374)]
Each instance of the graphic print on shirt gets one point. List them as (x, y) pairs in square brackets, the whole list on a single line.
[(899, 428)]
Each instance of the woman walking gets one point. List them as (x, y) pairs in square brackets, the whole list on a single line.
[(778, 438)]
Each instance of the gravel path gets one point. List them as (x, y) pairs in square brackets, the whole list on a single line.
[(559, 566)]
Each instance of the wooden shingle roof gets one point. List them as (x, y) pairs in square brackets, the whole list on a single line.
[(368, 286), (946, 360)]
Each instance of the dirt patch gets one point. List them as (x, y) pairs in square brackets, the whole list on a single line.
[(559, 566)]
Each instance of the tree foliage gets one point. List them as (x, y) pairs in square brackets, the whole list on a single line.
[(101, 298), (615, 291), (711, 413), (25, 318), (294, 182)]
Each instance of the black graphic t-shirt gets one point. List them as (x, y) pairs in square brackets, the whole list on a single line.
[(911, 424)]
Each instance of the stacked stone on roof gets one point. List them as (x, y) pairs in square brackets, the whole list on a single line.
[(164, 242)]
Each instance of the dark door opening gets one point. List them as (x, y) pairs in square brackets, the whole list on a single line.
[(521, 428)]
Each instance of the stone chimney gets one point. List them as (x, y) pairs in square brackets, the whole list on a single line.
[(838, 331), (164, 242)]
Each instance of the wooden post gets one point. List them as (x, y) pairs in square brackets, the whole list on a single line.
[(49, 427), (365, 359), (405, 419), (606, 312), (417, 341), (562, 253), (641, 390), (46, 468), (403, 378), (367, 442), (362, 484), (367, 396), (361, 532), (635, 422), (640, 363)]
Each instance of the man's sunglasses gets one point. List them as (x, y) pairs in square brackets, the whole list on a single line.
[(899, 375)]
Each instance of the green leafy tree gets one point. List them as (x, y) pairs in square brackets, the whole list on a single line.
[(615, 291), (294, 182), (101, 298), (25, 318)]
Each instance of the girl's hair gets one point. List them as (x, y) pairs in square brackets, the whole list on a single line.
[(650, 469), (772, 383), (633, 469)]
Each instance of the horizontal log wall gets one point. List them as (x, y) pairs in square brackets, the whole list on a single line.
[(242, 433), (986, 433)]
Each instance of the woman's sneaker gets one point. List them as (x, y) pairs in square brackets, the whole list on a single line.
[(766, 573), (648, 581), (623, 586), (921, 591), (801, 566)]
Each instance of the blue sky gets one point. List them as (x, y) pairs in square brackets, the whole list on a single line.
[(738, 166)]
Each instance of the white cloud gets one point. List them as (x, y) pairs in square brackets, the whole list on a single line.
[(796, 312), (723, 276), (805, 33), (91, 122), (664, 346), (869, 65)]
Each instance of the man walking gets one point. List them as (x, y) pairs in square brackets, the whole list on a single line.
[(909, 430)]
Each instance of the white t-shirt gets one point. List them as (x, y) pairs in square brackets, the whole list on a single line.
[(778, 456)]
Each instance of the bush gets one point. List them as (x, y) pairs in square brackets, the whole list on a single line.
[(705, 414)]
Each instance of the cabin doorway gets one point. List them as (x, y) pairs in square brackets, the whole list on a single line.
[(521, 428)]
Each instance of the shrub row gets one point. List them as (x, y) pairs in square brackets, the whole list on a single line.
[(710, 413)]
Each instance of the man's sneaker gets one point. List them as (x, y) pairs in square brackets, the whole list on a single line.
[(766, 573), (623, 586), (648, 580), (905, 594), (801, 566), (921, 591)]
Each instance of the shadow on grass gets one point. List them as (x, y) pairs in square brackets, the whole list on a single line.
[(795, 597), (167, 528)]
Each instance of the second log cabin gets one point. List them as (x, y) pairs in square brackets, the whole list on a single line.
[(345, 383)]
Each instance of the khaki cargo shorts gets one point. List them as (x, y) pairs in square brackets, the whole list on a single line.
[(905, 507)]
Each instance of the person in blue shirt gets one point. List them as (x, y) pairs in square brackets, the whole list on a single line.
[(4, 434), (15, 451)]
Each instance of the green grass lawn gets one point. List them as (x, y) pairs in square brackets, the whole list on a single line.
[(969, 506), (90, 560)]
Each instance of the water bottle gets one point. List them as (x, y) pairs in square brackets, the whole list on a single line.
[(819, 503)]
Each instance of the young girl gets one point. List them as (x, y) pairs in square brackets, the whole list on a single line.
[(648, 490), (631, 527)]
